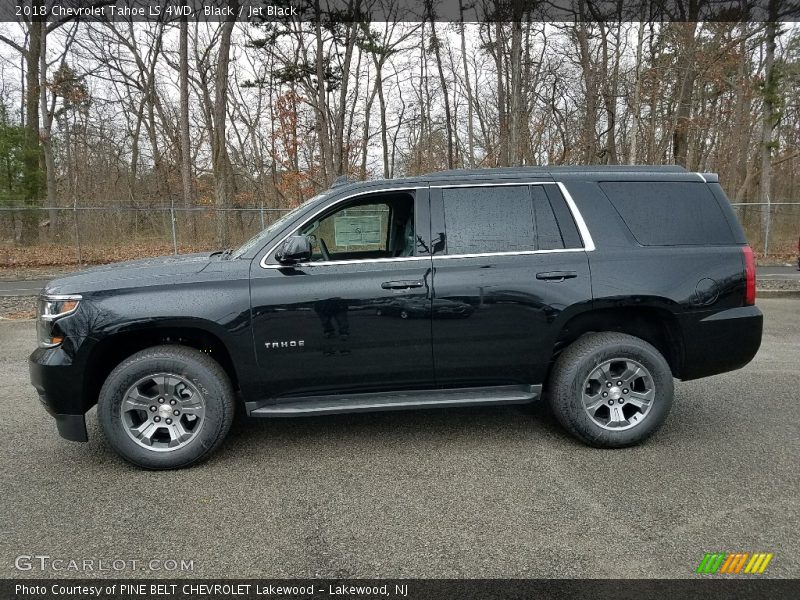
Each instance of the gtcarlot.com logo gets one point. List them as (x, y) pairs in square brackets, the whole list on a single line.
[(734, 563), (43, 562)]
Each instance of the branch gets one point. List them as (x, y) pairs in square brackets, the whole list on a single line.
[(785, 158), (13, 44)]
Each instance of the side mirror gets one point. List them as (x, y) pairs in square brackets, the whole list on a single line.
[(295, 249)]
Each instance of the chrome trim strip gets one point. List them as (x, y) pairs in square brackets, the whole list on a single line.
[(324, 263), (61, 296), (263, 264), (459, 185), (512, 253), (588, 242)]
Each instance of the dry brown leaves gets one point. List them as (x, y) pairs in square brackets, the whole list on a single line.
[(12, 256)]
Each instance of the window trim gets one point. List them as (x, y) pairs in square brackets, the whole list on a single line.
[(583, 230), (263, 262), (580, 223)]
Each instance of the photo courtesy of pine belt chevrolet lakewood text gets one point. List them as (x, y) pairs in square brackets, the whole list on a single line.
[(590, 287)]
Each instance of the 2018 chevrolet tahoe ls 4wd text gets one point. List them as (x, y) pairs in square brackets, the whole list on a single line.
[(591, 286)]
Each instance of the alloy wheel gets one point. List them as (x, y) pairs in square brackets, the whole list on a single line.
[(163, 412), (618, 394)]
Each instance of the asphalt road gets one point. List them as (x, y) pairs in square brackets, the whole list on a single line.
[(447, 493), (21, 288), (32, 287)]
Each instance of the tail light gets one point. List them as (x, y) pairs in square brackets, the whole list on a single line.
[(749, 276)]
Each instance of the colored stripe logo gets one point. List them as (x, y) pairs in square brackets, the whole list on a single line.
[(734, 563)]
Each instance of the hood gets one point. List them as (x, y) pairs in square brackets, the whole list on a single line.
[(132, 273)]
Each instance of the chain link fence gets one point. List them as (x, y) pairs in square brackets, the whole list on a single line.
[(86, 235), (772, 229)]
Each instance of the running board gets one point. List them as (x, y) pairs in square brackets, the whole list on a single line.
[(348, 403)]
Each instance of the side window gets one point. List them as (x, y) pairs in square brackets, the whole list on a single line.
[(488, 219), (376, 228), (669, 213), (566, 223), (549, 235)]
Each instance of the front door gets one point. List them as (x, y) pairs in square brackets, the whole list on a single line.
[(357, 316)]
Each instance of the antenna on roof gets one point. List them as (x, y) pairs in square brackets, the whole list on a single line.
[(340, 180)]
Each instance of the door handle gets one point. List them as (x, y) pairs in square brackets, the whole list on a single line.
[(401, 285), (556, 275)]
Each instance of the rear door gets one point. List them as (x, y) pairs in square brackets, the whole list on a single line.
[(509, 268)]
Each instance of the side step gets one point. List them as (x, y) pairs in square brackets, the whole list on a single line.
[(347, 403)]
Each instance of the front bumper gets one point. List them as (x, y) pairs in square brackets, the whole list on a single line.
[(58, 384)]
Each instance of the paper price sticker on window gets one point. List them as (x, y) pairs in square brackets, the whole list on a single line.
[(361, 230)]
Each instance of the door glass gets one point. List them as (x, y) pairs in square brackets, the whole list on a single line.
[(489, 219), (377, 229)]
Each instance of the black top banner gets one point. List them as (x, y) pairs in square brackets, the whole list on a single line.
[(54, 11)]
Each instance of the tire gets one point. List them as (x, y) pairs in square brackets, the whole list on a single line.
[(611, 416), (190, 383)]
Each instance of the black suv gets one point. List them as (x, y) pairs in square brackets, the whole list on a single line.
[(591, 286)]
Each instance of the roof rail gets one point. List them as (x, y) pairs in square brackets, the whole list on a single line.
[(340, 180)]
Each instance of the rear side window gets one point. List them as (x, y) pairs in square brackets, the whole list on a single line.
[(507, 218), (489, 219), (548, 231), (669, 213)]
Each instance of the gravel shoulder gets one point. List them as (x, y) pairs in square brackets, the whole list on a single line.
[(17, 307)]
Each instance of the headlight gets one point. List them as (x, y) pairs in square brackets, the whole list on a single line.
[(52, 308)]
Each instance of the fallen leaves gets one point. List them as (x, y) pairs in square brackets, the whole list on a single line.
[(12, 256)]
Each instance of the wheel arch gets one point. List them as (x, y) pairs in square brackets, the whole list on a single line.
[(111, 350), (654, 324)]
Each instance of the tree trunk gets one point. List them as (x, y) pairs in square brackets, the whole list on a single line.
[(340, 158), (637, 96), (186, 148), (47, 141), (383, 124), (680, 133), (448, 117), (219, 151), (323, 128), (502, 113), (32, 156), (470, 131), (516, 111), (742, 123), (769, 121), (590, 82)]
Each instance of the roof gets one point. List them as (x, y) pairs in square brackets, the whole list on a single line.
[(590, 172)]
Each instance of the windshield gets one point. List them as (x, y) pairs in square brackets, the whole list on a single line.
[(265, 234)]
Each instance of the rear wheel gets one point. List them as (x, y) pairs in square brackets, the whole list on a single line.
[(611, 389), (166, 407)]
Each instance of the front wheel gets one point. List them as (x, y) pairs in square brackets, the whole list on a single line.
[(611, 389), (166, 407)]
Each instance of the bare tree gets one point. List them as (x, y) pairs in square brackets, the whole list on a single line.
[(185, 134), (219, 144)]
